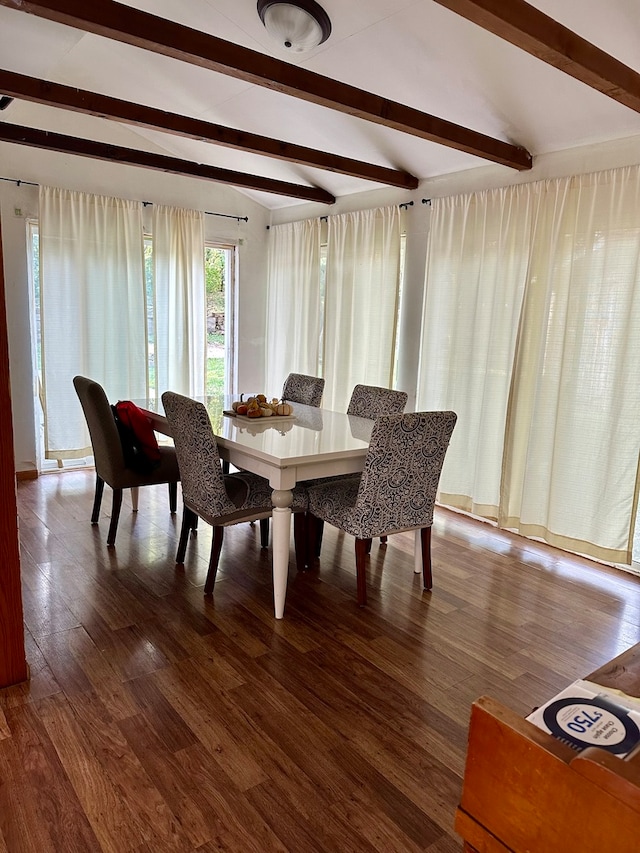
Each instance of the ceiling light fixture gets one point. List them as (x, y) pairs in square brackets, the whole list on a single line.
[(297, 26)]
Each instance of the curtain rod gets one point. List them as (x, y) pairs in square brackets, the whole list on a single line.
[(144, 203), (404, 204)]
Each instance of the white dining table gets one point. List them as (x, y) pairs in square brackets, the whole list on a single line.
[(312, 443)]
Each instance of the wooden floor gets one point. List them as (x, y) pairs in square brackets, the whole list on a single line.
[(156, 720)]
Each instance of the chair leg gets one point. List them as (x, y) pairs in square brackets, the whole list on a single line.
[(189, 518), (97, 501), (319, 532), (369, 541), (135, 493), (300, 540), (311, 533), (425, 539), (361, 574), (216, 547), (173, 498), (115, 515), (225, 466), (264, 532), (383, 540)]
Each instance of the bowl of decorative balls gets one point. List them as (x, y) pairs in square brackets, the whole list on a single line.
[(260, 407)]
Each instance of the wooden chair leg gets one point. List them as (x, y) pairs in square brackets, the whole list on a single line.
[(173, 498), (319, 531), (383, 540), (425, 539), (311, 533), (135, 494), (115, 515), (97, 501), (362, 546), (368, 541), (300, 540), (189, 519), (216, 547), (264, 532)]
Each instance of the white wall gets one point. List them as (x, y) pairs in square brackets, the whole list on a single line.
[(82, 174)]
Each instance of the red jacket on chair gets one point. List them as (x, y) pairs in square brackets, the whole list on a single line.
[(139, 443)]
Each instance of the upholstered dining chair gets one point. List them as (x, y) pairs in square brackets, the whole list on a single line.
[(367, 401), (371, 401), (299, 388), (219, 499), (397, 489), (109, 456)]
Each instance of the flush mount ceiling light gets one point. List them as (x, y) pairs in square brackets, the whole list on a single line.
[(298, 26)]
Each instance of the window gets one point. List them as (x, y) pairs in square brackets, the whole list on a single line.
[(219, 265), (219, 284)]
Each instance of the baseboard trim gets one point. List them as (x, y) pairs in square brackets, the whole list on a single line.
[(26, 475)]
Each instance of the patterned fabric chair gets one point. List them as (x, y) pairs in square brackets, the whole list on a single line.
[(220, 499), (370, 401), (367, 401), (397, 489), (299, 388), (109, 457)]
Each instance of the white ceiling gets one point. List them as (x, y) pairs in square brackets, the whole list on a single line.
[(416, 53)]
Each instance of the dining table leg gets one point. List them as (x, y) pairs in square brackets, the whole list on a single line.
[(281, 536)]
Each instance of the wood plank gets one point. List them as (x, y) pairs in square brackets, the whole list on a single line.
[(620, 778), (36, 792), (141, 29), (121, 802), (338, 726), (34, 138), (531, 30), (92, 103), (503, 790), (13, 663)]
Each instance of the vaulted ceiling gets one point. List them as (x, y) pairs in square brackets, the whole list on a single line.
[(400, 92)]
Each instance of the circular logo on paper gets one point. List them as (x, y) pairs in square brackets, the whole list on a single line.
[(584, 722)]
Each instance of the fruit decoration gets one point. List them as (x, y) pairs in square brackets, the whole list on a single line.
[(260, 407)]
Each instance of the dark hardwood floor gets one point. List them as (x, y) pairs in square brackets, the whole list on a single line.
[(156, 720)]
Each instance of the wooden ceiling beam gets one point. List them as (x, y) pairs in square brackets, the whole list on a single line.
[(91, 103), (149, 32), (536, 33), (35, 138)]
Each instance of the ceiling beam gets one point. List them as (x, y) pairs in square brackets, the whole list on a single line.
[(141, 29), (35, 138), (536, 33), (91, 103)]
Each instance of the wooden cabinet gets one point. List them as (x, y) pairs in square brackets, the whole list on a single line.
[(526, 792)]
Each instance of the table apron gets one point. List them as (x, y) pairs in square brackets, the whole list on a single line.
[(286, 477)]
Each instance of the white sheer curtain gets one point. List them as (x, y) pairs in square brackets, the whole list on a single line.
[(531, 333), (180, 355), (293, 302), (92, 308), (573, 437), (362, 289), (476, 272)]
